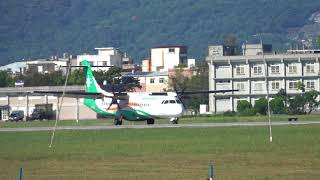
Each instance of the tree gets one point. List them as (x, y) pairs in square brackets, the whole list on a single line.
[(76, 77), (261, 106), (5, 79), (296, 105), (245, 108), (277, 105), (301, 86), (310, 98), (181, 81)]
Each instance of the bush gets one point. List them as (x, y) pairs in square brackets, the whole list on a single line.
[(245, 108), (248, 112), (261, 106), (243, 105), (229, 113), (277, 106)]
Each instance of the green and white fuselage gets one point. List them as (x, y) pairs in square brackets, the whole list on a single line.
[(133, 106)]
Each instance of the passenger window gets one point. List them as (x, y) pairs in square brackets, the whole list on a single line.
[(172, 101)]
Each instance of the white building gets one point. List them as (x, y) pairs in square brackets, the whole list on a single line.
[(15, 68), (46, 66), (164, 58), (109, 56), (151, 81), (247, 73)]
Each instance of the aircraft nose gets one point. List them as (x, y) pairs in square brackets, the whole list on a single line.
[(181, 109)]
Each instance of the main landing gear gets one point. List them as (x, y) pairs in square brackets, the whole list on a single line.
[(174, 120), (118, 120), (150, 121)]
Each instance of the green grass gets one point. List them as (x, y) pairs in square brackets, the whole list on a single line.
[(238, 153), (183, 120)]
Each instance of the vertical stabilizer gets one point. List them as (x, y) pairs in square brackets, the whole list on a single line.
[(90, 81)]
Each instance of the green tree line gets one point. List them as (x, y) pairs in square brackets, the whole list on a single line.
[(112, 77)]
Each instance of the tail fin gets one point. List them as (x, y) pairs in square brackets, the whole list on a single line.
[(90, 81)]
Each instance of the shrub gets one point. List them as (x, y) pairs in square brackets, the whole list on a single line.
[(229, 113), (245, 108), (248, 112), (243, 105), (261, 106), (277, 106)]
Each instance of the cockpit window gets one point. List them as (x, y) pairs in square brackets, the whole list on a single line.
[(172, 101), (165, 102), (178, 101)]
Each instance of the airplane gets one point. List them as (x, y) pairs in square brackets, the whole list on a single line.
[(131, 106)]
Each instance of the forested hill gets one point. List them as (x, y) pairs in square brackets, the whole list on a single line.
[(42, 28)]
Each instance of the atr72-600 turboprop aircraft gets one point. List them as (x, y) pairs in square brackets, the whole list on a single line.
[(131, 106)]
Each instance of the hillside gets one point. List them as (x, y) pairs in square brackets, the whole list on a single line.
[(39, 29)]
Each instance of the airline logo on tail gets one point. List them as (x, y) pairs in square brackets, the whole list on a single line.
[(88, 82)]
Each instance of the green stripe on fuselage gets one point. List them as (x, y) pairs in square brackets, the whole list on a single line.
[(128, 114)]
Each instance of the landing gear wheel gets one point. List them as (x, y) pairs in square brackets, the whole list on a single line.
[(118, 121), (175, 121), (150, 121)]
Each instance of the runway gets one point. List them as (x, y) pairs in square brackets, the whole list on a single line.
[(195, 125)]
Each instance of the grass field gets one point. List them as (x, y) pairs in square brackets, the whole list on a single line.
[(183, 120), (238, 153)]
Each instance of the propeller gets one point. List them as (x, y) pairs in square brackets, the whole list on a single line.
[(180, 95), (115, 98)]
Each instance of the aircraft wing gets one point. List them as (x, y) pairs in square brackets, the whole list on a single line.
[(73, 94)]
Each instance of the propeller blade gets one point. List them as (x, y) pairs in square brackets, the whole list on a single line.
[(184, 105), (109, 106)]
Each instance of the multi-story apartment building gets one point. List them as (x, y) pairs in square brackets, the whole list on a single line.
[(151, 81), (109, 56), (253, 72), (164, 58)]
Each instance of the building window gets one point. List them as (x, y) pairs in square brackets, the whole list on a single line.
[(240, 70), (293, 85), (240, 86), (257, 70), (292, 69), (275, 69), (105, 63), (275, 85), (258, 86), (161, 80), (310, 84), (310, 68), (171, 50), (152, 81)]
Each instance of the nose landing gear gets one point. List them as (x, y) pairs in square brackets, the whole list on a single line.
[(174, 120)]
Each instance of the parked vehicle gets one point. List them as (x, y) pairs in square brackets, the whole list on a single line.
[(40, 114), (16, 116)]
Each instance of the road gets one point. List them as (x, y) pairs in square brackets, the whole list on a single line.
[(198, 125)]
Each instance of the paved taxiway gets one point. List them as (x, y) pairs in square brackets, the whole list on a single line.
[(196, 125)]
